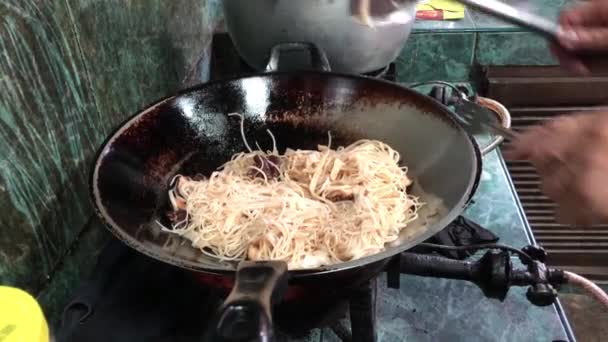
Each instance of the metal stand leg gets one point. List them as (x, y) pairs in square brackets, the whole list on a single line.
[(342, 332), (363, 313)]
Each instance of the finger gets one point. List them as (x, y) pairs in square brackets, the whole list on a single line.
[(566, 214), (556, 179), (546, 154), (592, 13), (588, 39), (565, 131), (555, 149), (568, 61), (524, 147), (561, 154), (577, 186), (576, 209), (518, 149), (571, 207), (591, 185), (581, 197), (574, 215), (543, 145)]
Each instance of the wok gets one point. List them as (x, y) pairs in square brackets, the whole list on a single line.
[(191, 133), (350, 47)]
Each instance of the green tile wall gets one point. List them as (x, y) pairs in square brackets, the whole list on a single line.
[(546, 8), (512, 48), (436, 56), (69, 72), (48, 129), (442, 49), (436, 26), (139, 50), (500, 43)]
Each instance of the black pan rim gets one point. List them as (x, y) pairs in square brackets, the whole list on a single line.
[(387, 253)]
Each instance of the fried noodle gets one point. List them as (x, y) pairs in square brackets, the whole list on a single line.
[(306, 207)]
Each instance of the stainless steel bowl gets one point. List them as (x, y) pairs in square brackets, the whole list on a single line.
[(255, 26)]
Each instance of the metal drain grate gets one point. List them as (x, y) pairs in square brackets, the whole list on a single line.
[(580, 249)]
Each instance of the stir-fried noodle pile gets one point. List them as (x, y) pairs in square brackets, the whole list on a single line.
[(305, 207)]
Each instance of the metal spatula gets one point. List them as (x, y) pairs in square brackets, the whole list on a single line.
[(479, 119)]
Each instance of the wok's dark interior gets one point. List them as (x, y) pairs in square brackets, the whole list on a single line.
[(192, 133)]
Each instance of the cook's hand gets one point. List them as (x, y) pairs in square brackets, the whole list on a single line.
[(585, 30), (570, 155), (366, 10)]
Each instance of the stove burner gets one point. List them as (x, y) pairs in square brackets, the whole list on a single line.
[(297, 321), (128, 284), (363, 313)]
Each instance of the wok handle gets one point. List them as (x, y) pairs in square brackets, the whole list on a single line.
[(317, 55), (504, 117), (246, 315)]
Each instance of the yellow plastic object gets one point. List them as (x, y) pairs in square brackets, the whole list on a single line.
[(21, 318), (439, 10)]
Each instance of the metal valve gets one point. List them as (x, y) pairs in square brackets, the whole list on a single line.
[(494, 273), (544, 281)]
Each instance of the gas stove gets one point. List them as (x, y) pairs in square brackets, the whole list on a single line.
[(131, 297)]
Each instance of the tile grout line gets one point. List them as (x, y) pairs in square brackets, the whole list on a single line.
[(475, 46), (62, 259)]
